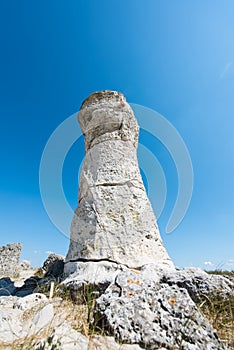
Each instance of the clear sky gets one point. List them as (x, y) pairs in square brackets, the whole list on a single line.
[(175, 57)]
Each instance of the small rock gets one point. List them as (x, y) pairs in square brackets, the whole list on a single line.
[(14, 325), (10, 326), (25, 265), (42, 318), (7, 301), (30, 301), (198, 282), (54, 265), (64, 337)]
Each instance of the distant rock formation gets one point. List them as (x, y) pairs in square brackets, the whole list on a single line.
[(9, 259), (114, 221), (54, 265)]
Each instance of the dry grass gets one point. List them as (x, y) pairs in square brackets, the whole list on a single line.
[(79, 311), (79, 314), (64, 310), (219, 311)]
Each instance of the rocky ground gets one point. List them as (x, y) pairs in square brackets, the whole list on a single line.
[(31, 319), (147, 309)]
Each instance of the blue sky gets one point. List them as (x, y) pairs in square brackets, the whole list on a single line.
[(176, 58)]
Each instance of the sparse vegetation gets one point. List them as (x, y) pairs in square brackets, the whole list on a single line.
[(224, 273), (219, 311), (90, 295), (79, 312), (16, 275), (39, 272)]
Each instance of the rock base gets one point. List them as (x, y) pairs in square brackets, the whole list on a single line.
[(132, 309), (151, 306)]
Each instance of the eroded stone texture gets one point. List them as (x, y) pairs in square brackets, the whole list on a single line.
[(114, 220), (54, 265), (139, 309), (14, 324), (9, 259), (198, 282)]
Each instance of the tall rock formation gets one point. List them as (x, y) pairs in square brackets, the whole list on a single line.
[(116, 252), (114, 220)]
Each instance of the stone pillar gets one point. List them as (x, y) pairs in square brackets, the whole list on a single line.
[(114, 221)]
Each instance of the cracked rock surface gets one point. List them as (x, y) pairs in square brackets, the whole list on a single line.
[(114, 220), (137, 309), (9, 259)]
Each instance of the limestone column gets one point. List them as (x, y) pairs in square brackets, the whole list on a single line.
[(114, 220)]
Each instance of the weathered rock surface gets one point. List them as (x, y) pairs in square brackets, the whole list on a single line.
[(147, 308), (30, 301), (9, 259), (137, 309), (98, 273), (13, 324), (114, 220), (25, 265), (198, 282), (54, 265), (64, 337), (152, 306), (42, 319), (10, 324)]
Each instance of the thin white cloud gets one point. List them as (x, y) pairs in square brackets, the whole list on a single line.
[(230, 262), (229, 68), (208, 263)]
